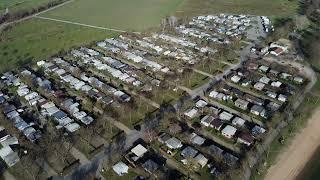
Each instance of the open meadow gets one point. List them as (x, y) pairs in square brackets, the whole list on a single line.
[(121, 14), (17, 5), (254, 7)]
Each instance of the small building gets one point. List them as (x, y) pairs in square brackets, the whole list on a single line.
[(226, 88), (298, 80), (215, 150), (257, 110), (235, 79), (285, 76), (274, 72), (282, 98), (264, 69), (191, 113), (225, 116), (276, 84), (189, 152), (271, 94), (273, 106), (201, 160), (246, 138), (139, 150), (229, 131), (59, 115), (230, 159), (265, 80), (9, 156), (213, 94), (72, 127), (259, 86), (237, 92), (237, 121), (201, 103), (216, 124), (206, 120), (254, 100), (196, 139), (242, 104), (257, 130), (164, 137), (150, 166), (214, 110), (120, 168), (173, 143)]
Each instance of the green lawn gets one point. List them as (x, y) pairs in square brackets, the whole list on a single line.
[(256, 7), (36, 39), (120, 14), (194, 80), (17, 5), (131, 116)]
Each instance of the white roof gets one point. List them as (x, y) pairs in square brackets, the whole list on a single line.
[(276, 84), (235, 78), (225, 116), (191, 113), (200, 159), (52, 110), (9, 156), (120, 168), (264, 80), (72, 127), (139, 150), (201, 103), (213, 94), (238, 121), (229, 130), (10, 140), (174, 143), (48, 105)]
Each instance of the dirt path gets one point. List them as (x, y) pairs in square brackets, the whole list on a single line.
[(292, 161)]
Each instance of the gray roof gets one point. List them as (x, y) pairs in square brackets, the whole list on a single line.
[(150, 166), (215, 150), (174, 143), (60, 115), (189, 152)]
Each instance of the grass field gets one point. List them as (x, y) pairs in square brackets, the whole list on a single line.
[(37, 39), (16, 5), (120, 14), (255, 7)]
